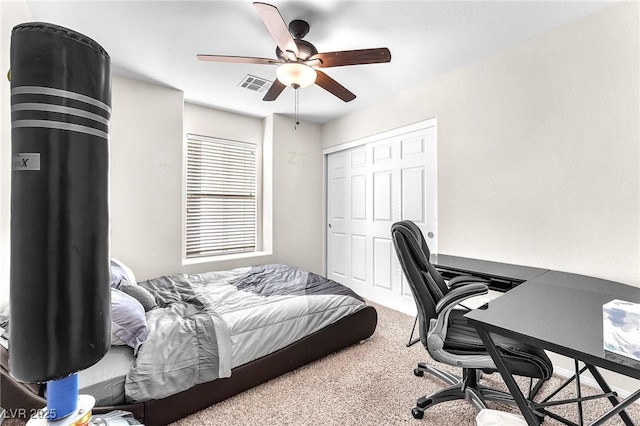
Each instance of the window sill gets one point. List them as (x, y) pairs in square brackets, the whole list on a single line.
[(225, 258)]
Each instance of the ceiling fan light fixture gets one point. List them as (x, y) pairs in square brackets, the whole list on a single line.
[(296, 75)]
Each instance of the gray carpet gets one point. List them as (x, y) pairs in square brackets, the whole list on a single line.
[(371, 383)]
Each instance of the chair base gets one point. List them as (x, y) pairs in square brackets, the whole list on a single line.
[(466, 387)]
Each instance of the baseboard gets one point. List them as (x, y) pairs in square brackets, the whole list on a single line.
[(589, 381)]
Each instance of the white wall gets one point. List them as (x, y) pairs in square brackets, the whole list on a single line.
[(297, 193), (11, 14), (538, 149), (205, 121), (146, 176)]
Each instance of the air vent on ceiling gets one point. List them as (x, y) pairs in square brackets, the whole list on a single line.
[(254, 83)]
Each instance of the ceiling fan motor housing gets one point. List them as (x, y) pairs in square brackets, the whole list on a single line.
[(305, 48), (298, 28)]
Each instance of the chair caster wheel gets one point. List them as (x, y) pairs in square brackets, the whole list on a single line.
[(418, 372), (416, 413)]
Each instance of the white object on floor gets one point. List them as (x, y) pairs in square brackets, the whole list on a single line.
[(85, 405), (489, 417)]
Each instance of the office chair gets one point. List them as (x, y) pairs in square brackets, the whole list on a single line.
[(448, 338)]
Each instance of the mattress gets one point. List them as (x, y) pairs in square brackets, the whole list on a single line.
[(105, 379)]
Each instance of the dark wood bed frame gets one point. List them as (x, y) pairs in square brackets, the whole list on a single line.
[(20, 398)]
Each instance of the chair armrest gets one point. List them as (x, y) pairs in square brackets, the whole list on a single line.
[(438, 329), (458, 294), (462, 280)]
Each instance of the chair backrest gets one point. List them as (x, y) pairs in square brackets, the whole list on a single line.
[(427, 285)]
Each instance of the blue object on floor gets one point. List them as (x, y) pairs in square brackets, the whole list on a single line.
[(62, 397)]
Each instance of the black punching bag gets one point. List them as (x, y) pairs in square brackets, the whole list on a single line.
[(60, 294)]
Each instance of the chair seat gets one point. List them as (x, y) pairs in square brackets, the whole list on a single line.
[(520, 358)]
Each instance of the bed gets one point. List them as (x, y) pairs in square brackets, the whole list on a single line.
[(206, 337)]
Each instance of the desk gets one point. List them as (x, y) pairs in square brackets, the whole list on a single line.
[(560, 312), (502, 276)]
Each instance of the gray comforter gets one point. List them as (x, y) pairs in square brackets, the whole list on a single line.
[(207, 324)]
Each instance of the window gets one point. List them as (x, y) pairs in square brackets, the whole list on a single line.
[(221, 197)]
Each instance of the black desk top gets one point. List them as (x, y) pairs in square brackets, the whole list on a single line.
[(498, 270), (560, 312)]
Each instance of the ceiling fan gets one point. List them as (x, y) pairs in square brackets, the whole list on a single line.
[(298, 60)]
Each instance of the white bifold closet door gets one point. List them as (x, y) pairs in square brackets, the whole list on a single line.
[(369, 187)]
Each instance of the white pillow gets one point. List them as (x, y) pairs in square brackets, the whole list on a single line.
[(120, 271), (128, 321), (116, 341)]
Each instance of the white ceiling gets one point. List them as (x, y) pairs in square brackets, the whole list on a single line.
[(157, 41)]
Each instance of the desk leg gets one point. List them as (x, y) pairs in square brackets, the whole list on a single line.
[(618, 409), (530, 417), (578, 393), (614, 401)]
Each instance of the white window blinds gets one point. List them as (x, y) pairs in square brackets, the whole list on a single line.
[(221, 197)]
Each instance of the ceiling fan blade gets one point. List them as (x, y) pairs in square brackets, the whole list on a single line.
[(237, 59), (352, 57), (274, 91), (277, 27), (332, 86)]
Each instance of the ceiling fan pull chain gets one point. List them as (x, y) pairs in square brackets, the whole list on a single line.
[(297, 107)]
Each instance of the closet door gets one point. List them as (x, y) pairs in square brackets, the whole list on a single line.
[(369, 187)]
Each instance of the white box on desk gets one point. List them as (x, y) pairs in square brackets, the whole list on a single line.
[(621, 328)]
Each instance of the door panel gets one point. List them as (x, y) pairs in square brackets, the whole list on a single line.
[(412, 146), (382, 263), (382, 153), (359, 197), (338, 252), (413, 196), (382, 196), (359, 258)]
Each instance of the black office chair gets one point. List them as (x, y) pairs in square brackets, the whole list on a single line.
[(448, 338)]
